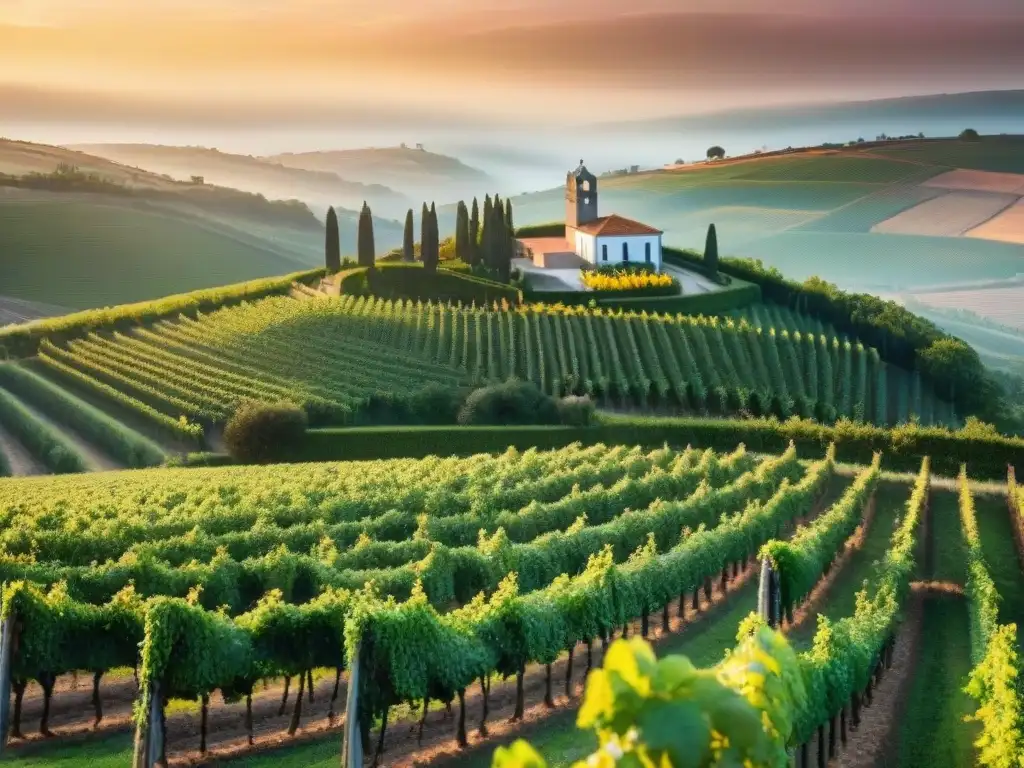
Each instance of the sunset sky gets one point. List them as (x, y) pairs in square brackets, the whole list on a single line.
[(233, 62)]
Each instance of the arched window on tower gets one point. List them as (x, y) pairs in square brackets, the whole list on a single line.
[(625, 250)]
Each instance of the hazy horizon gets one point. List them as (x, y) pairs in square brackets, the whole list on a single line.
[(509, 86)]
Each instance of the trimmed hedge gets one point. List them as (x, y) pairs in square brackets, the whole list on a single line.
[(903, 448), (43, 442), (118, 440), (548, 229), (23, 340), (412, 281), (736, 296)]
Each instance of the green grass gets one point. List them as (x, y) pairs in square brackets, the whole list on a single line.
[(81, 254), (879, 261), (994, 153), (1000, 552), (932, 732), (890, 501), (949, 549)]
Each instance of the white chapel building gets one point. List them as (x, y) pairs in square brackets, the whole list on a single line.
[(600, 241)]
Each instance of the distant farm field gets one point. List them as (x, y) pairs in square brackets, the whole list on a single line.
[(889, 217), (950, 215), (1007, 227), (1004, 305), (81, 254)]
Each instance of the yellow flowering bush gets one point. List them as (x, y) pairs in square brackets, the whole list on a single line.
[(624, 280)]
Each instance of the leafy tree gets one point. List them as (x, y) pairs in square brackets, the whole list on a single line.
[(508, 218), (365, 248), (265, 432), (715, 153), (474, 234), (332, 246), (711, 251), (462, 244), (969, 134), (408, 240)]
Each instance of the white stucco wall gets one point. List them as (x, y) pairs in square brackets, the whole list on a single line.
[(586, 246), (637, 249)]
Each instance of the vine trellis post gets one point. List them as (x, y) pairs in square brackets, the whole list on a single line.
[(351, 739), (149, 734), (768, 597), (6, 654)]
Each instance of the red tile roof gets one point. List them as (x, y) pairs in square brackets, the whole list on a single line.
[(617, 225)]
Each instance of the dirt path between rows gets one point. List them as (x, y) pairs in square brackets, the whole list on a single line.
[(811, 607), (22, 463), (72, 701)]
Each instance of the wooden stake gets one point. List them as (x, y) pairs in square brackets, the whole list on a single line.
[(293, 726), (460, 736), (568, 674), (204, 711), (6, 656), (248, 718), (352, 738), (96, 703), (284, 699), (486, 708)]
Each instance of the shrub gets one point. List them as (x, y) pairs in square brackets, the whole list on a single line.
[(513, 402), (576, 411), (263, 432)]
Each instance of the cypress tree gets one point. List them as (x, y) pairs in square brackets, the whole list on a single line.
[(474, 234), (711, 251), (462, 233), (365, 247), (435, 239), (486, 222), (332, 246), (499, 238), (425, 235), (408, 241), (508, 218)]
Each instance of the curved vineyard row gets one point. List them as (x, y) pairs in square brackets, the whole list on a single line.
[(334, 356)]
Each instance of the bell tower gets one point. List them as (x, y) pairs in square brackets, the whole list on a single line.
[(580, 199)]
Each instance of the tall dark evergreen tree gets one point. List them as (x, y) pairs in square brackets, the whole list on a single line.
[(474, 234), (435, 237), (425, 235), (486, 222), (508, 218), (332, 245), (711, 251), (408, 239), (462, 233), (365, 248)]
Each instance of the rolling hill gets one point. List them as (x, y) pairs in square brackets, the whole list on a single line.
[(417, 173), (268, 177), (95, 232), (817, 211)]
